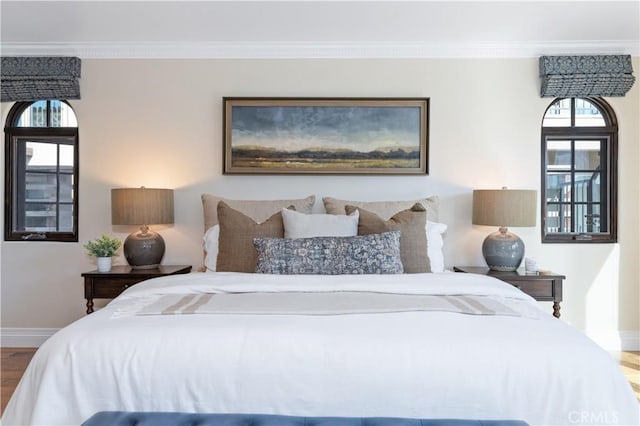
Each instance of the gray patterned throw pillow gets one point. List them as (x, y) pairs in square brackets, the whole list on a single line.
[(367, 254)]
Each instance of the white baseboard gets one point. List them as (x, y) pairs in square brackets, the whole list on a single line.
[(616, 340), (624, 340), (25, 337), (630, 340)]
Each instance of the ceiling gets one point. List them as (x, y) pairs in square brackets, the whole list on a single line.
[(318, 29)]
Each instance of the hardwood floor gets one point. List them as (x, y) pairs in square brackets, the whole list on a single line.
[(13, 362)]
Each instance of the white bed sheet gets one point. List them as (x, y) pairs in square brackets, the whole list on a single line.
[(407, 364)]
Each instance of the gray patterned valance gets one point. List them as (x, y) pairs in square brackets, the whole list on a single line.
[(590, 75), (37, 78)]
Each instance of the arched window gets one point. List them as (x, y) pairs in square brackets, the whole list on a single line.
[(41, 172), (579, 171)]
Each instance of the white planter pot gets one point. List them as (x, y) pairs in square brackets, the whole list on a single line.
[(104, 264)]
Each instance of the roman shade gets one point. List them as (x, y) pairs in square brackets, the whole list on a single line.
[(581, 76), (26, 78)]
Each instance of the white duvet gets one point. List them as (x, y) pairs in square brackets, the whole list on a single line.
[(427, 364)]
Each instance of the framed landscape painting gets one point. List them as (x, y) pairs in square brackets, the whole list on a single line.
[(326, 135)]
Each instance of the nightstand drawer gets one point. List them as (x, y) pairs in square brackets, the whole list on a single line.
[(536, 289), (111, 287)]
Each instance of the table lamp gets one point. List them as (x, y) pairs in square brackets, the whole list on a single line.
[(142, 206), (503, 250)]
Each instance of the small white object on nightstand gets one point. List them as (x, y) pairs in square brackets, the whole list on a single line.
[(530, 265)]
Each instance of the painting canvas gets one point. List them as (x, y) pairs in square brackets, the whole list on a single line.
[(326, 136)]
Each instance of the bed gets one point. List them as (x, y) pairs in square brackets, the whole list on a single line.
[(412, 345)]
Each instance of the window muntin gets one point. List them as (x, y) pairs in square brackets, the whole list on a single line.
[(579, 172), (41, 172)]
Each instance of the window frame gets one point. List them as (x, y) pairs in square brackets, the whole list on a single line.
[(607, 133), (13, 134)]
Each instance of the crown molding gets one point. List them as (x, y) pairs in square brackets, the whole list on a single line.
[(310, 50)]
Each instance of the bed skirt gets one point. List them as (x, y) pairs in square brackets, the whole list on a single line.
[(122, 418)]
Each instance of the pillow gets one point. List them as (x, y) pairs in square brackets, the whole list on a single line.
[(300, 225), (412, 225), (235, 243), (369, 254), (258, 210), (384, 209), (435, 244)]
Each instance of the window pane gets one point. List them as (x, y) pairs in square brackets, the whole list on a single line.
[(34, 116), (587, 187), (588, 114), (41, 156), (40, 217), (558, 218), (587, 218), (62, 115), (565, 216), (558, 114), (558, 187), (66, 218), (66, 157), (41, 187), (40, 178), (66, 188), (553, 218), (559, 155), (587, 155)]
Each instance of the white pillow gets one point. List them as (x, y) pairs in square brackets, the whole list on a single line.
[(435, 244), (211, 248), (300, 225)]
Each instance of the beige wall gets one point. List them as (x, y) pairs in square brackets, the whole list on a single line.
[(158, 123)]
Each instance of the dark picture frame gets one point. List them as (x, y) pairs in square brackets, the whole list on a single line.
[(326, 135)]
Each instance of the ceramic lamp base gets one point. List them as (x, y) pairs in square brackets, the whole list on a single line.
[(144, 250), (503, 251)]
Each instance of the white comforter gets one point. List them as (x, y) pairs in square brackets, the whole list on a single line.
[(402, 364)]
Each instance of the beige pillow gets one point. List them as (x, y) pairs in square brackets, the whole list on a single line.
[(236, 252), (300, 225), (258, 210), (384, 209), (413, 237)]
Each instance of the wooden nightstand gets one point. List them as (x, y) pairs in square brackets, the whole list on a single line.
[(107, 285), (544, 286)]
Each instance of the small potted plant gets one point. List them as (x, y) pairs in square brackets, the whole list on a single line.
[(103, 248)]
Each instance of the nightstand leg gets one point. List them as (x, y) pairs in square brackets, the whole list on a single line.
[(556, 309), (89, 306)]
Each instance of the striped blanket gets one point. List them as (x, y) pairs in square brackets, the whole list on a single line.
[(321, 303)]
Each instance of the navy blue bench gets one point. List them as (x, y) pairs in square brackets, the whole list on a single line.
[(121, 418)]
